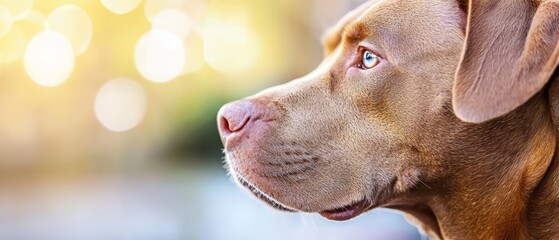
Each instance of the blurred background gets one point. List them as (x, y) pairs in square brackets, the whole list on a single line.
[(107, 117)]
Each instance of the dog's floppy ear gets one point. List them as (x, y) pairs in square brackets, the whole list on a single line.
[(510, 53)]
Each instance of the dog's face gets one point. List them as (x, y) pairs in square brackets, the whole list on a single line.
[(369, 127), (351, 134)]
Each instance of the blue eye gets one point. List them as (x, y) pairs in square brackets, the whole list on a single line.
[(370, 60)]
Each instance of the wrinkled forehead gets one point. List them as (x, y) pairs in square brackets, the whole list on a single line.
[(397, 25)]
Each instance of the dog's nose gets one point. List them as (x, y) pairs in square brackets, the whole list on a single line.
[(233, 117)]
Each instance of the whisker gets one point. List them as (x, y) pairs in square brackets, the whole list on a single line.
[(315, 168), (423, 183)]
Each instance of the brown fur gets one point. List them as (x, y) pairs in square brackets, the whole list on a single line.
[(389, 134)]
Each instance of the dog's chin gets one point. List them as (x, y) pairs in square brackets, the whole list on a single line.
[(343, 213), (262, 195), (339, 214)]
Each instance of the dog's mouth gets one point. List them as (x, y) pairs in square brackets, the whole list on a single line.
[(263, 196), (347, 212), (339, 214)]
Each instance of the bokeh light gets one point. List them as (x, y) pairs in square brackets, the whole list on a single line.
[(196, 9), (121, 6), (154, 7), (5, 20), (174, 21), (159, 55), (18, 8), (49, 59), (73, 23), (35, 17), (12, 45), (193, 53), (120, 104), (229, 47)]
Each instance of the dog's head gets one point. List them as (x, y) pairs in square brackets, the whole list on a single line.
[(374, 124)]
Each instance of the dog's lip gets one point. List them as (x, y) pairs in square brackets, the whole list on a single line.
[(262, 196), (347, 212)]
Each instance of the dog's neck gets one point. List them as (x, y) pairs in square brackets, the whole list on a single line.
[(542, 210), (544, 213), (513, 192)]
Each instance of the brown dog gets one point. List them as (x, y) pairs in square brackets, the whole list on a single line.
[(443, 109)]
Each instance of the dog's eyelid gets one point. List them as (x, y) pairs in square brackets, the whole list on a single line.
[(370, 47)]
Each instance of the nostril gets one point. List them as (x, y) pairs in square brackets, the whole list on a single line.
[(224, 125), (233, 117), (231, 127)]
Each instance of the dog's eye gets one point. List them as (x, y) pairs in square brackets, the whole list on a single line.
[(370, 60)]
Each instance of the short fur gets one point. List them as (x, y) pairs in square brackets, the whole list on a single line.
[(390, 135)]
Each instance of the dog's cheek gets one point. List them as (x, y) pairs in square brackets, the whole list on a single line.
[(369, 93)]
